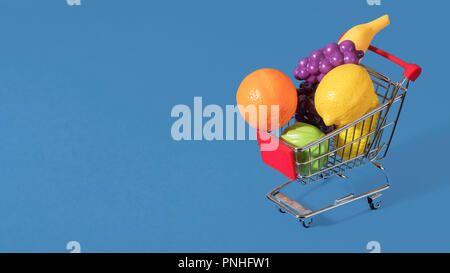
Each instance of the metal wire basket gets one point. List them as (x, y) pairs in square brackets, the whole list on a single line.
[(366, 140)]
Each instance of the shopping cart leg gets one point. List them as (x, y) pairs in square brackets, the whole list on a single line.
[(306, 222), (374, 201)]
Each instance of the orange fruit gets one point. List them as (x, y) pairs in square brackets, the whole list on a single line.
[(259, 95)]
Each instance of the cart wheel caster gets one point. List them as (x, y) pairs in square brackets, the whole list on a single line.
[(307, 222), (374, 201), (281, 210), (374, 204)]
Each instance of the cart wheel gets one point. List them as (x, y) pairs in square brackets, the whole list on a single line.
[(281, 210), (374, 204), (307, 222)]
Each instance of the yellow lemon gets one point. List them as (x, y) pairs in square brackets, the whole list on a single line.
[(345, 94), (351, 142)]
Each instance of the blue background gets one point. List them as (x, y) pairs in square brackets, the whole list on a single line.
[(85, 147)]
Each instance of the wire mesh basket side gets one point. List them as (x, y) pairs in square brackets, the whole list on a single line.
[(356, 143)]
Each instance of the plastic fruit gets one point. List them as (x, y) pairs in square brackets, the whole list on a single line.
[(267, 87), (306, 111), (322, 61), (356, 135), (363, 34), (301, 134), (345, 94)]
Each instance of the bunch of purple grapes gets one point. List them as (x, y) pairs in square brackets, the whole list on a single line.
[(306, 110), (322, 61)]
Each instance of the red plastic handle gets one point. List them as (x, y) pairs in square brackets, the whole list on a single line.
[(412, 71)]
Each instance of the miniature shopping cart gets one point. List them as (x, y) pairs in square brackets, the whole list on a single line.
[(369, 137)]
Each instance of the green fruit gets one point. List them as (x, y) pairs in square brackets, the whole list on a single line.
[(301, 134)]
